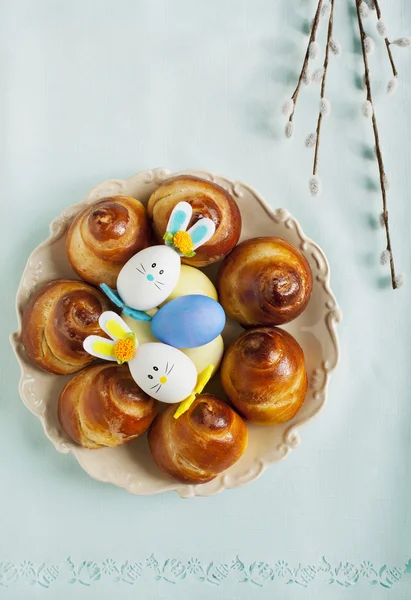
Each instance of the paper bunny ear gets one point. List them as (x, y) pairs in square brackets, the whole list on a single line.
[(113, 349), (113, 325), (201, 232), (179, 218), (99, 347)]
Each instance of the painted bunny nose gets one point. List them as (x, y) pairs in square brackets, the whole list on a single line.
[(163, 379), (150, 277)]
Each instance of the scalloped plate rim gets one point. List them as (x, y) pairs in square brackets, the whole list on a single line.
[(277, 215)]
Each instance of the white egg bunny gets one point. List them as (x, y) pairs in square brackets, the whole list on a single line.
[(163, 372), (150, 276)]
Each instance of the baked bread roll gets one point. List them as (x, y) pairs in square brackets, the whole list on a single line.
[(203, 442), (103, 406), (264, 281), (103, 237), (264, 376), (56, 321), (207, 200)]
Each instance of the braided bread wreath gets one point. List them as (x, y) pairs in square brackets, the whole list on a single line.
[(250, 339)]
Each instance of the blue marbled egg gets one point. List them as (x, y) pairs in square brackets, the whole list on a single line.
[(188, 321)]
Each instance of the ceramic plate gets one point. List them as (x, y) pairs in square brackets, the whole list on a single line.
[(131, 466)]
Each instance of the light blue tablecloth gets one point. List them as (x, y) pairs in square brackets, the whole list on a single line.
[(99, 89)]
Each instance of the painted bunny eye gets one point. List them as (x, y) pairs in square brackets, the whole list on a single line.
[(155, 368), (161, 272), (150, 377), (153, 266)]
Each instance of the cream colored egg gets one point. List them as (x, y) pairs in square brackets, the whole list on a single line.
[(209, 354), (192, 281), (202, 357)]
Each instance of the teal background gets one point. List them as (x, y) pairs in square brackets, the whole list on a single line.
[(100, 89)]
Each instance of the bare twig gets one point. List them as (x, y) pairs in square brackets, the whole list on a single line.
[(383, 178), (306, 58), (326, 57), (387, 42)]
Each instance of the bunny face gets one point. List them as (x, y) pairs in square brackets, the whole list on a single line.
[(149, 277), (163, 372)]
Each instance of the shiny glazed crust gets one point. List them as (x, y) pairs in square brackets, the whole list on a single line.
[(264, 281), (103, 406), (203, 442), (56, 321), (264, 376), (104, 236), (207, 200)]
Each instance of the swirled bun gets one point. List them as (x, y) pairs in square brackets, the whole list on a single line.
[(263, 374), (104, 236), (103, 406), (203, 442), (57, 320), (207, 200), (264, 281)]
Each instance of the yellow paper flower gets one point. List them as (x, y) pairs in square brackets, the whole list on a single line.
[(182, 241), (125, 348)]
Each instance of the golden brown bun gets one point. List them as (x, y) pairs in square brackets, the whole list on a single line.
[(205, 441), (103, 406), (56, 321), (208, 200), (264, 281), (103, 237), (264, 376)]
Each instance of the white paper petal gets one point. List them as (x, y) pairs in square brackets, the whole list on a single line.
[(180, 217), (89, 346), (107, 318), (201, 232)]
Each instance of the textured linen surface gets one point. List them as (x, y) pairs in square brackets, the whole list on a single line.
[(99, 89)]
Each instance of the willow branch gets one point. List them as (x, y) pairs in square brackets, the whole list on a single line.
[(307, 56), (377, 147), (326, 57), (387, 42)]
